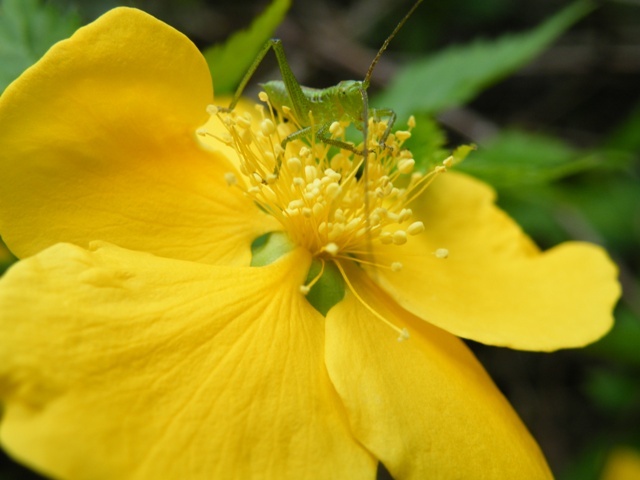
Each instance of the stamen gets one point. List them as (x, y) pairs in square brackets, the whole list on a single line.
[(305, 289), (321, 195), (403, 333), (415, 228)]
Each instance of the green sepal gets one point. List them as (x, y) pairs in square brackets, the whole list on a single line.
[(327, 291), (269, 247)]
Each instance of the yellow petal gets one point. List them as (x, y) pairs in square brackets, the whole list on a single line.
[(495, 286), (623, 464), (116, 364), (98, 142), (424, 407)]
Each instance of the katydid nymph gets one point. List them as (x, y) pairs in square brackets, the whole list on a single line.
[(345, 101)]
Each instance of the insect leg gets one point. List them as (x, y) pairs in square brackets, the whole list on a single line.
[(299, 102), (322, 137), (385, 113)]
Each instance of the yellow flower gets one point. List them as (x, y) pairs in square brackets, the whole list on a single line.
[(137, 342), (623, 464)]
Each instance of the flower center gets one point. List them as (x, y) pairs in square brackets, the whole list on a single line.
[(328, 198)]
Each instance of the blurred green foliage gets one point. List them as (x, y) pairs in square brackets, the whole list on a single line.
[(557, 188), (455, 75), (27, 29), (240, 50)]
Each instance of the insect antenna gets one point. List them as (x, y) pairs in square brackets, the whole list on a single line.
[(367, 77), (365, 172)]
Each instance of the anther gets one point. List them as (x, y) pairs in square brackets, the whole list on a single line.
[(415, 228), (441, 253), (406, 166), (267, 127), (405, 214), (412, 122), (263, 97), (244, 122), (212, 110), (386, 238), (333, 190), (336, 232), (396, 266), (403, 135), (404, 335), (399, 237), (331, 248), (294, 164), (294, 204), (304, 289), (394, 217), (311, 173), (271, 179), (318, 208), (336, 129), (305, 152), (230, 178), (447, 162), (332, 174), (256, 178)]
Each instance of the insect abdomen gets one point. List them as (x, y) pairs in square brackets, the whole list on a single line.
[(322, 102)]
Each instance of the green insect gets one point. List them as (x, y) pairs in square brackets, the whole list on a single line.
[(345, 101)]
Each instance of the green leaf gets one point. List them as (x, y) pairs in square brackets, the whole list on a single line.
[(625, 136), (613, 389), (457, 74), (611, 205), (27, 29), (427, 143), (621, 343), (228, 62), (515, 158)]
